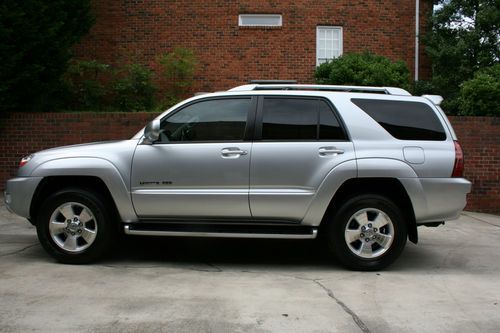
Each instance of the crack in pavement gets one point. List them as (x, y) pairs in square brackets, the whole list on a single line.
[(346, 309), (18, 251), (361, 325)]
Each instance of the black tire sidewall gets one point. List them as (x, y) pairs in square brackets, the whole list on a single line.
[(96, 204), (336, 229)]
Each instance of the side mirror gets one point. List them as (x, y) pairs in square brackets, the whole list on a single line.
[(152, 132)]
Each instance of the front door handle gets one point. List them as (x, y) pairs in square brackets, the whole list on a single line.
[(324, 151), (233, 152)]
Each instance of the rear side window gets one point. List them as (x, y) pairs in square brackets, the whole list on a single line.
[(299, 119), (404, 120)]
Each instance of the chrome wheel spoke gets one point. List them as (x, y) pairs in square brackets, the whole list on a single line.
[(380, 221), (366, 249), (88, 235), (70, 243), (383, 240), (351, 235), (67, 211), (57, 228), (361, 218), (85, 216)]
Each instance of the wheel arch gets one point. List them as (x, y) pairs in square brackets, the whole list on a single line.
[(85, 172), (390, 188), (52, 184)]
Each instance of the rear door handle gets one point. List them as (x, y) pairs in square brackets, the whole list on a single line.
[(324, 151), (233, 152)]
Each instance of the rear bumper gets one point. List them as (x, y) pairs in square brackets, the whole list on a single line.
[(19, 193), (437, 199)]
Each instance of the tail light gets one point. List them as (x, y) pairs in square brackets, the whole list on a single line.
[(458, 168)]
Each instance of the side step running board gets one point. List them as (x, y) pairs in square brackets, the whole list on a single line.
[(302, 232)]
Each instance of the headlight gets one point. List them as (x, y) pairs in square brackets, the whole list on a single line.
[(25, 160)]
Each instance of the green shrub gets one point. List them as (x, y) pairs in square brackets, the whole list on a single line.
[(363, 69), (178, 67), (134, 89), (423, 87), (480, 96), (83, 84)]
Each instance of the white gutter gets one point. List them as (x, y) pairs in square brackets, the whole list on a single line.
[(417, 28)]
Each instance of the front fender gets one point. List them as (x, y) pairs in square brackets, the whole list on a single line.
[(96, 167)]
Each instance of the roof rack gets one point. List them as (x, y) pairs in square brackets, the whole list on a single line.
[(273, 81), (363, 89)]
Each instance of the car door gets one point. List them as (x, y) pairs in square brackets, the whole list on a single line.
[(299, 141), (200, 165)]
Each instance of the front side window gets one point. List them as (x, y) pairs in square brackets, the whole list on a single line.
[(288, 119), (210, 120), (328, 43)]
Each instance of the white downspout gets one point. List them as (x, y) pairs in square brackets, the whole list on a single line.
[(417, 28)]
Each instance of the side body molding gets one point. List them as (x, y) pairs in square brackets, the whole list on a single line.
[(97, 167), (332, 182)]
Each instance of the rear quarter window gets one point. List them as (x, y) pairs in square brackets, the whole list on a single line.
[(404, 120)]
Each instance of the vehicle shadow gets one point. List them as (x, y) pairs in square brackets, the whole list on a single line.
[(221, 251), (240, 253)]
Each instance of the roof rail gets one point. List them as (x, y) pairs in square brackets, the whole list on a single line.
[(364, 89), (273, 81)]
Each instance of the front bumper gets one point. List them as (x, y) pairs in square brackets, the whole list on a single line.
[(19, 193)]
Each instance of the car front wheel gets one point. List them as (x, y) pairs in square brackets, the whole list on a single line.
[(74, 226)]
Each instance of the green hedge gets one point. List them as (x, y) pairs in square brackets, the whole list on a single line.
[(363, 69)]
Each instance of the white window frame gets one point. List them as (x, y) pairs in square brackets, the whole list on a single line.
[(273, 16), (341, 40)]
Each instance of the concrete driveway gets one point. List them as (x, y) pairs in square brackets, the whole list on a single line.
[(450, 282)]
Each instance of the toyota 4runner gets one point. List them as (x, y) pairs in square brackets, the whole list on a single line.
[(360, 166)]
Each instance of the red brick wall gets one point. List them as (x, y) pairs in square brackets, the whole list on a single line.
[(139, 31), (480, 141), (24, 133)]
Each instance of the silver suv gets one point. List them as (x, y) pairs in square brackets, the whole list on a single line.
[(360, 166)]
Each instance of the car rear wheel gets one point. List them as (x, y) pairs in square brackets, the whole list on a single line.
[(368, 232), (74, 226)]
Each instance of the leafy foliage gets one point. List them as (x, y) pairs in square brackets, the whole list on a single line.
[(83, 83), (35, 46), (481, 95), (134, 89), (464, 39), (178, 67), (365, 69)]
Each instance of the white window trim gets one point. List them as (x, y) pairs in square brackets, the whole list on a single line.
[(341, 39), (240, 20)]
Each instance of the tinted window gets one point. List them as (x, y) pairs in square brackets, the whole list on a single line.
[(404, 120), (213, 120), (329, 127), (299, 119), (289, 119)]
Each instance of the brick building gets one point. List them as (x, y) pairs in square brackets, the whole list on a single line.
[(236, 41)]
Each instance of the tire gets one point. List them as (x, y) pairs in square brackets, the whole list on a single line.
[(75, 226), (367, 233)]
